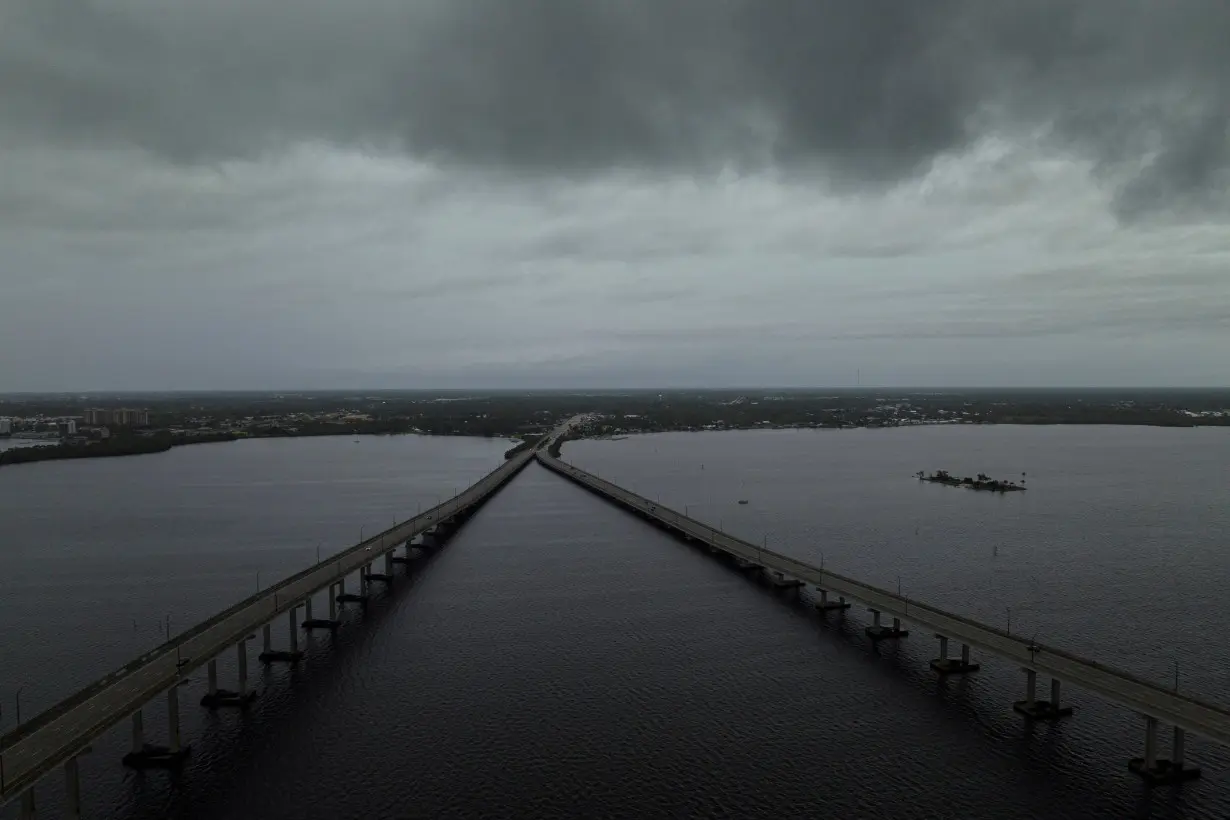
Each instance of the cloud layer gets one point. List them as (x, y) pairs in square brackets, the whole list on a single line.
[(864, 92), (260, 193)]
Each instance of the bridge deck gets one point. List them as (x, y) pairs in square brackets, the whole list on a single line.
[(1191, 714), (63, 731)]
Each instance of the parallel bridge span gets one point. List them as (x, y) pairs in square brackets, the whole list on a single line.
[(57, 736), (1151, 700)]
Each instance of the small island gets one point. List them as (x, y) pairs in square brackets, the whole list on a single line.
[(981, 482)]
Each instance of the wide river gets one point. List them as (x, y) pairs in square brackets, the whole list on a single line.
[(562, 659)]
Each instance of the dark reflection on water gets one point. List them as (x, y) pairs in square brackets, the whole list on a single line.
[(561, 659)]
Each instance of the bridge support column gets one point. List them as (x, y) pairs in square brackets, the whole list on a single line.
[(173, 717), (28, 809), (138, 731), (952, 666), (72, 786), (878, 632), (361, 598), (216, 697), (825, 605), (320, 623), (267, 634), (270, 655), (388, 563), (1158, 771), (1035, 709), (241, 653), (780, 581), (148, 756), (293, 632)]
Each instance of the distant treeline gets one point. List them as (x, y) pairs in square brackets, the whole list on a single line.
[(107, 448)]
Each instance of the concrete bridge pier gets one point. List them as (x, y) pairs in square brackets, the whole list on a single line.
[(1035, 709), (399, 559), (292, 655), (72, 787), (386, 577), (878, 632), (343, 597), (825, 605), (388, 563), (320, 623), (780, 581), (953, 666), (29, 810), (1157, 771), (148, 756), (215, 697)]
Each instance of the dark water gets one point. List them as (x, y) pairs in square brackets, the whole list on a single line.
[(561, 659), (96, 554)]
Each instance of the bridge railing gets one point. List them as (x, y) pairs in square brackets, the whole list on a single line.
[(788, 564), (431, 516)]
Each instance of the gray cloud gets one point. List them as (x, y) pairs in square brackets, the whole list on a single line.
[(862, 93)]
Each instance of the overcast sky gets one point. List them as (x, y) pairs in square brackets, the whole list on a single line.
[(310, 193)]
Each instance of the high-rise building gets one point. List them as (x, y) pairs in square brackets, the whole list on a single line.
[(127, 417), (67, 427), (96, 416), (6, 427)]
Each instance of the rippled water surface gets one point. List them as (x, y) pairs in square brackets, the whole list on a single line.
[(561, 659)]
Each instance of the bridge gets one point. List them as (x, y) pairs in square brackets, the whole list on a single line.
[(1156, 704), (58, 736)]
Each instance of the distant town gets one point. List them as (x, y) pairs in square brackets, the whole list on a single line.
[(98, 425)]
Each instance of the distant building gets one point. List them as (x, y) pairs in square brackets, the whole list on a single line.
[(6, 427), (67, 427), (121, 417), (125, 417)]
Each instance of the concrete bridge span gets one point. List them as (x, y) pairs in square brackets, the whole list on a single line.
[(1155, 703), (59, 735)]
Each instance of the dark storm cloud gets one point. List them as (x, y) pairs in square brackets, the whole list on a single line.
[(864, 91)]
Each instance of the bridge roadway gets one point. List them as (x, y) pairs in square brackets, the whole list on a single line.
[(1191, 714), (59, 734)]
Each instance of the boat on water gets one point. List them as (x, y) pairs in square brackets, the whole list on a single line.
[(981, 482), (742, 500)]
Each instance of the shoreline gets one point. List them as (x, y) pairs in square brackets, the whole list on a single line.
[(162, 443), (153, 445)]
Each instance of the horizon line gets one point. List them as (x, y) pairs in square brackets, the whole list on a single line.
[(615, 389)]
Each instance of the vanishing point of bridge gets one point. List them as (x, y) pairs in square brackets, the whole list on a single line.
[(57, 737)]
